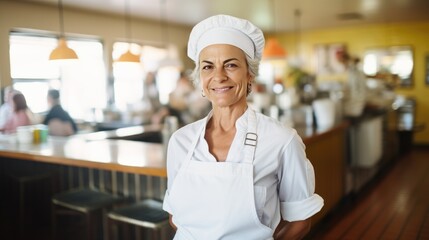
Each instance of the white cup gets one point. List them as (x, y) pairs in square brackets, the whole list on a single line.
[(24, 134)]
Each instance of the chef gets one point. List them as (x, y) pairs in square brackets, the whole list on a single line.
[(236, 174)]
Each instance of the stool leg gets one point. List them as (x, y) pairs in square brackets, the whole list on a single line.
[(103, 224), (21, 211), (90, 232), (109, 229), (137, 232), (53, 222)]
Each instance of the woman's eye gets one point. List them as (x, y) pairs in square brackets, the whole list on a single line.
[(207, 67), (230, 65)]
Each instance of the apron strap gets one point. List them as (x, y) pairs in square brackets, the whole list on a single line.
[(251, 138), (194, 143)]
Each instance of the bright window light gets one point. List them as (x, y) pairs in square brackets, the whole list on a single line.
[(82, 84), (129, 78)]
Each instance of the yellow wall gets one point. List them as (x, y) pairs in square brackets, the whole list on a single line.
[(360, 38)]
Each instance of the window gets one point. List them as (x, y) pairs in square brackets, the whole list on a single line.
[(82, 83), (129, 78)]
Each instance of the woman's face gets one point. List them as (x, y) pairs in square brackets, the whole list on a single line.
[(224, 75)]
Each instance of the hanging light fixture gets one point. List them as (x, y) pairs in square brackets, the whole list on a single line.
[(62, 51), (170, 60), (128, 56), (273, 49), (298, 61)]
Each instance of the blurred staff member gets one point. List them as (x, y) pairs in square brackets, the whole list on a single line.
[(236, 174), (21, 114), (58, 120)]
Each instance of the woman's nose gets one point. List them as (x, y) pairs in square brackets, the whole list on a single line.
[(220, 75)]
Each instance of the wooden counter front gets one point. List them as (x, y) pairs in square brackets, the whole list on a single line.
[(115, 155)]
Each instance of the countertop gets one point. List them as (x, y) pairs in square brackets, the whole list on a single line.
[(109, 154), (106, 150)]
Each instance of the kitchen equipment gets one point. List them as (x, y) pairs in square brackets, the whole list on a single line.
[(324, 111)]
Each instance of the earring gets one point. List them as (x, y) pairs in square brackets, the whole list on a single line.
[(202, 93), (249, 88)]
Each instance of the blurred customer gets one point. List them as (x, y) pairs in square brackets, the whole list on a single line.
[(141, 111), (6, 108), (151, 92), (21, 115), (58, 120), (185, 102), (178, 99)]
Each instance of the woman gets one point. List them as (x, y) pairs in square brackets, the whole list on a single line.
[(236, 173), (21, 115)]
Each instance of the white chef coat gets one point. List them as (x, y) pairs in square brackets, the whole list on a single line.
[(283, 176)]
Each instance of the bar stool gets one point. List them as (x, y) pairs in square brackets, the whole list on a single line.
[(33, 187), (89, 204), (147, 214)]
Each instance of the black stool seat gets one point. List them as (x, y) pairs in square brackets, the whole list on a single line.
[(93, 204), (147, 214), (85, 200), (24, 175)]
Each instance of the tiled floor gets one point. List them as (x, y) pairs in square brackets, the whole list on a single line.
[(395, 206)]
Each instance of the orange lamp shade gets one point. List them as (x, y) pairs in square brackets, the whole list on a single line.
[(128, 56), (273, 49), (62, 51)]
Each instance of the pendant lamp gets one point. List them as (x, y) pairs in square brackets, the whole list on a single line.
[(171, 59), (273, 49), (62, 51), (128, 56)]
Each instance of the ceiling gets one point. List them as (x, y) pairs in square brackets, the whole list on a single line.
[(269, 15)]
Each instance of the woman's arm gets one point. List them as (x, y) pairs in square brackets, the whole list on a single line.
[(292, 230)]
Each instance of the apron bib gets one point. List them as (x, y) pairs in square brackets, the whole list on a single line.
[(215, 200)]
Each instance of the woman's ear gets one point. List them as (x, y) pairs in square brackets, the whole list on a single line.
[(250, 78)]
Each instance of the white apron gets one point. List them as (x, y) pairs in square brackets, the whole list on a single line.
[(215, 200)]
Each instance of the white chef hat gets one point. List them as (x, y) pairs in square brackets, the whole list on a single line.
[(224, 29)]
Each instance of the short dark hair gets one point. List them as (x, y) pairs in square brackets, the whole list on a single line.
[(54, 94)]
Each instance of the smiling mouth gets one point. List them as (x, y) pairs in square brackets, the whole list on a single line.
[(221, 90)]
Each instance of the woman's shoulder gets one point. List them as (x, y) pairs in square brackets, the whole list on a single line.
[(189, 131), (268, 126)]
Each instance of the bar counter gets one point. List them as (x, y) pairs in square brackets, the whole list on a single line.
[(108, 154), (105, 150)]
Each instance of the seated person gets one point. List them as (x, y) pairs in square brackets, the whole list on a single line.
[(6, 108), (58, 120), (21, 115)]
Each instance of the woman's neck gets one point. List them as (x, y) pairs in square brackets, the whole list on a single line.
[(225, 118)]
